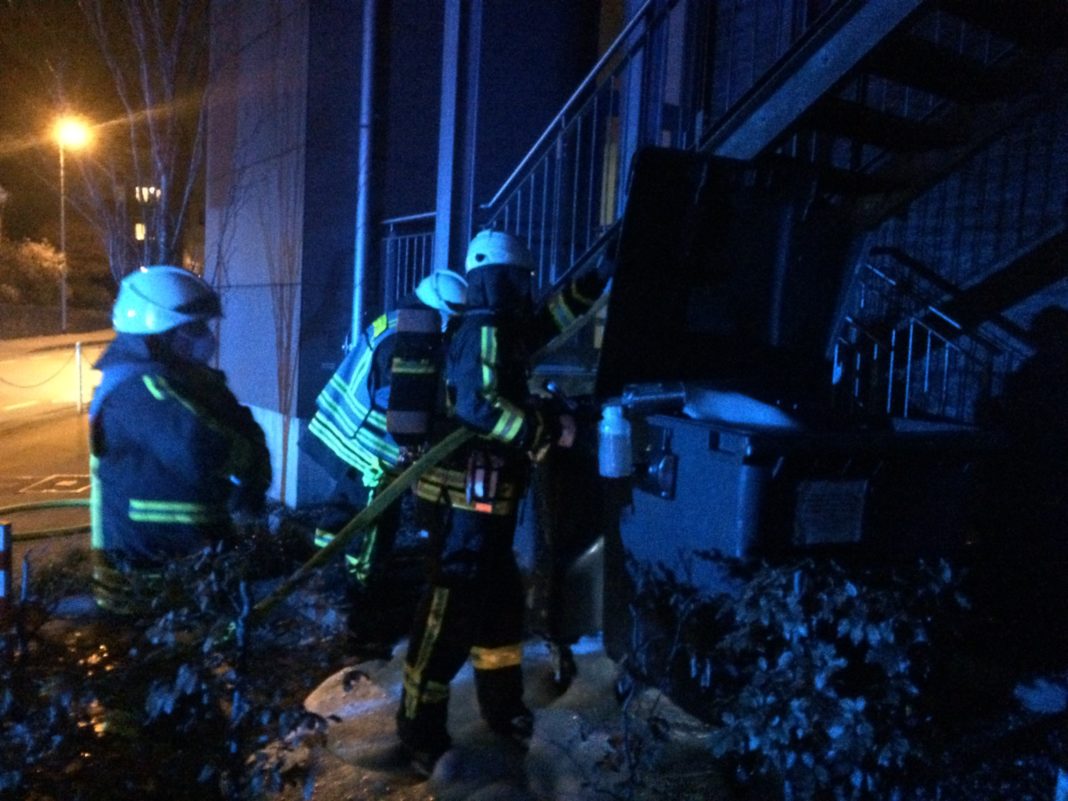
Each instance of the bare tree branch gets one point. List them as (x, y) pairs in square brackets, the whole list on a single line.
[(155, 53)]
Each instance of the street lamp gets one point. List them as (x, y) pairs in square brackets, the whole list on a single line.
[(71, 134), (3, 202)]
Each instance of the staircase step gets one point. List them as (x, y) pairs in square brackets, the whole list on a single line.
[(856, 121), (918, 62), (1040, 24)]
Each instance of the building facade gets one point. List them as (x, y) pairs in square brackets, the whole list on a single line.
[(354, 146)]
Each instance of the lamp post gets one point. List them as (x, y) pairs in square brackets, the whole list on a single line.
[(73, 134), (3, 202)]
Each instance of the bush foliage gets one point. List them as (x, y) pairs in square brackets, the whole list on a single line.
[(29, 272), (181, 703), (811, 673)]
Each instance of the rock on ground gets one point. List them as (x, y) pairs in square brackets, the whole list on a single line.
[(578, 750)]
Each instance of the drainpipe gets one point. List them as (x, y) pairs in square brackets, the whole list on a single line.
[(458, 122), (363, 177)]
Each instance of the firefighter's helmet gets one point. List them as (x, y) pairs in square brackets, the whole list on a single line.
[(443, 290), (497, 249), (159, 298)]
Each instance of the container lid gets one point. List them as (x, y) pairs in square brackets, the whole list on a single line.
[(726, 271)]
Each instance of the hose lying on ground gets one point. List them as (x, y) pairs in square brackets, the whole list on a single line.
[(47, 533)]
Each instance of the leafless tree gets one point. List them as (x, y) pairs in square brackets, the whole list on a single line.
[(147, 167), (280, 207)]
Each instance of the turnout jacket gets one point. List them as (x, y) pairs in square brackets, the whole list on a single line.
[(172, 454), (351, 409), (486, 370)]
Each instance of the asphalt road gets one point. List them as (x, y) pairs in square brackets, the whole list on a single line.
[(44, 453)]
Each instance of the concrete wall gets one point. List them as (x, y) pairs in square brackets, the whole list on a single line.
[(281, 205), (282, 171)]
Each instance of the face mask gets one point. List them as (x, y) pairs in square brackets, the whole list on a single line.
[(194, 342)]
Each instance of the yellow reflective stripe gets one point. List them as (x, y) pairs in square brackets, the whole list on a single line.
[(352, 428), (360, 449), (153, 388), (444, 477), (356, 564), (433, 693), (489, 359), (509, 423), (496, 658), (113, 589), (379, 325), (439, 601), (161, 390), (368, 444), (437, 481), (413, 367), (560, 312), (96, 508), (360, 564), (183, 506), (145, 511), (358, 376), (349, 419), (456, 481), (343, 448)]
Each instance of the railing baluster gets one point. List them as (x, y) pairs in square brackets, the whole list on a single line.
[(6, 566)]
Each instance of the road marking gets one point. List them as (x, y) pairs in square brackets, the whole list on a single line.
[(60, 483), (12, 407), (13, 484)]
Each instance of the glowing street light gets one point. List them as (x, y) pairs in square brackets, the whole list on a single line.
[(71, 133)]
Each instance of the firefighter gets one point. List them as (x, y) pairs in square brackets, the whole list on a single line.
[(362, 444), (473, 605), (173, 454)]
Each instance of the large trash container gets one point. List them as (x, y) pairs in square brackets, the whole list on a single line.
[(716, 340)]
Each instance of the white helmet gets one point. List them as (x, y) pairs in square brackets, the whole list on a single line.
[(496, 248), (442, 290), (156, 299)]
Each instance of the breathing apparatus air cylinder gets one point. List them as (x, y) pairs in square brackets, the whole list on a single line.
[(415, 376)]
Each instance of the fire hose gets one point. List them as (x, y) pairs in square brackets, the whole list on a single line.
[(366, 517), (363, 520), (45, 533)]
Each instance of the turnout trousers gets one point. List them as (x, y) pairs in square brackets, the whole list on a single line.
[(472, 608)]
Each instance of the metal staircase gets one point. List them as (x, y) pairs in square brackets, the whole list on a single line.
[(933, 140), (941, 125)]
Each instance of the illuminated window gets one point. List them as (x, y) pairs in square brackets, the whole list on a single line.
[(147, 194)]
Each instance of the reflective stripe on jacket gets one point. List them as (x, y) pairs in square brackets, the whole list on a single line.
[(351, 416), (172, 451)]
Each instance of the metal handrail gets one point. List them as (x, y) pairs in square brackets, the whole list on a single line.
[(570, 186), (425, 215), (609, 54)]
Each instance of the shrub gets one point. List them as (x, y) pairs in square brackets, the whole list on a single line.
[(178, 704), (810, 673), (29, 272)]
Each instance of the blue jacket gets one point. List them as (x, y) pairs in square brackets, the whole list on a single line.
[(172, 453)]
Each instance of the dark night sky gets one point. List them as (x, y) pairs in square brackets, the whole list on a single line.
[(47, 56)]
